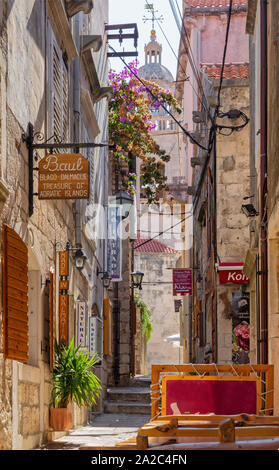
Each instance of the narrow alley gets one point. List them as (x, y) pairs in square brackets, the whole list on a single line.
[(139, 239)]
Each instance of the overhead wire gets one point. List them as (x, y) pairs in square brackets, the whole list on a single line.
[(224, 59), (190, 54), (183, 69), (162, 232)]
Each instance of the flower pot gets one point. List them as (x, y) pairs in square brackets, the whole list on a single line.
[(61, 419)]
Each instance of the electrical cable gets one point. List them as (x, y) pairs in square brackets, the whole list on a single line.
[(183, 69), (165, 214), (157, 99), (161, 233), (224, 58), (190, 54)]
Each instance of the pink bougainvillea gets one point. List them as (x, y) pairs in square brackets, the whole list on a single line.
[(130, 126)]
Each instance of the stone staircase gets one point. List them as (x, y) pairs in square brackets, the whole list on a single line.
[(133, 399)]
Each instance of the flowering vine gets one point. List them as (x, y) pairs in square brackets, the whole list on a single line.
[(130, 126)]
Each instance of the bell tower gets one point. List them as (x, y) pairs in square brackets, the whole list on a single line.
[(153, 50)]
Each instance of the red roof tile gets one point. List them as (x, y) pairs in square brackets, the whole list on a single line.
[(230, 70), (213, 3), (152, 246)]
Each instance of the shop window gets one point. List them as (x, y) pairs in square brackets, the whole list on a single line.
[(15, 296)]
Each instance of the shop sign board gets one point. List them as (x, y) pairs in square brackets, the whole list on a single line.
[(241, 328), (232, 273), (63, 176), (81, 323), (63, 297), (182, 281), (93, 338), (177, 305), (114, 244)]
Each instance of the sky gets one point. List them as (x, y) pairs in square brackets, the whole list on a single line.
[(133, 11)]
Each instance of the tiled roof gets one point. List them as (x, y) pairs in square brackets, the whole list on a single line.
[(213, 3), (230, 70), (152, 246)]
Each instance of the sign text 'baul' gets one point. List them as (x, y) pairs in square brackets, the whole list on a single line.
[(64, 176)]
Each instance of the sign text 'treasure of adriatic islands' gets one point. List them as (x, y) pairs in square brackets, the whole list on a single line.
[(63, 176)]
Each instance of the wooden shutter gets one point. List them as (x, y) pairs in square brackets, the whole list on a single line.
[(15, 295), (59, 83), (65, 102)]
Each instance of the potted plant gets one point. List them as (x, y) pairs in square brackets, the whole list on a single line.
[(72, 381)]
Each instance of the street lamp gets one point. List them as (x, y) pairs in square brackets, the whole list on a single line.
[(125, 200), (80, 258), (106, 278), (137, 279)]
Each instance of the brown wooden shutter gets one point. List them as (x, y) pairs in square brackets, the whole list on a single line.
[(59, 83), (15, 295)]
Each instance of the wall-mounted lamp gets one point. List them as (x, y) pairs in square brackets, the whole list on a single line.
[(105, 278), (79, 256), (137, 279), (249, 210), (124, 200)]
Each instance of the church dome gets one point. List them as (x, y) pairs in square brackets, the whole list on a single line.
[(153, 70)]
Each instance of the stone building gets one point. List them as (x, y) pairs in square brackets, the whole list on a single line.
[(261, 263), (53, 62), (218, 178)]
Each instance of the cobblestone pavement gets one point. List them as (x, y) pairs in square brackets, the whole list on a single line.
[(106, 430)]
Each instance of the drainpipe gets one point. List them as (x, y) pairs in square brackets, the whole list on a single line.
[(77, 115), (263, 190)]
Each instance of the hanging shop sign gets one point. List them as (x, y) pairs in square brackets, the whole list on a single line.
[(177, 305), (81, 312), (93, 332), (63, 297), (114, 244), (232, 273), (63, 176), (241, 328), (182, 281)]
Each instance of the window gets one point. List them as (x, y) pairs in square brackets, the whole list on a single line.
[(59, 92)]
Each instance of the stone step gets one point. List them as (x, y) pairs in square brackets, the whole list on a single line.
[(127, 407), (140, 381), (138, 394)]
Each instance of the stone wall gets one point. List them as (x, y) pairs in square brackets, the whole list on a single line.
[(26, 388), (233, 184)]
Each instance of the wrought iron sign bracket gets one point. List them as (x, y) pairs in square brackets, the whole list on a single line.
[(120, 36), (34, 142)]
